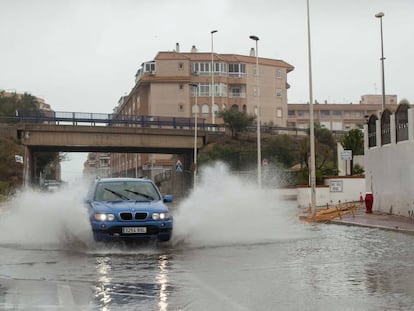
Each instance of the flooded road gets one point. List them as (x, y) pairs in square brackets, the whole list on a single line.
[(338, 268), (237, 250)]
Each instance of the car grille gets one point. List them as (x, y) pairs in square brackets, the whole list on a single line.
[(141, 216), (133, 216)]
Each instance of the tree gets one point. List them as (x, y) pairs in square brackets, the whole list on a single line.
[(10, 103), (10, 173), (324, 153), (236, 121), (282, 149), (353, 140)]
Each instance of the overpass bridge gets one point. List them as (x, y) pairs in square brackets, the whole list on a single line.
[(50, 131)]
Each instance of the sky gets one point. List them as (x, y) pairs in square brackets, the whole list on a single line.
[(82, 55)]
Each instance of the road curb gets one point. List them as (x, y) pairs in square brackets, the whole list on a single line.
[(374, 226)]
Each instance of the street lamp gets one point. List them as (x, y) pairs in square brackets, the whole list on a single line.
[(259, 151), (380, 15), (213, 117), (195, 85), (311, 123)]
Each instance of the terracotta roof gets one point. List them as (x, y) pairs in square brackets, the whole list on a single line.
[(202, 56)]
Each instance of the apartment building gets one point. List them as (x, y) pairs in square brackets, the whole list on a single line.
[(225, 81), (340, 117), (98, 164)]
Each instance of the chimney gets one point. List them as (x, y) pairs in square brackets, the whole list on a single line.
[(194, 49), (252, 52), (177, 47)]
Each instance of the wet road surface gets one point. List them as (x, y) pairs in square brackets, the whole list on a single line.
[(234, 247), (335, 268)]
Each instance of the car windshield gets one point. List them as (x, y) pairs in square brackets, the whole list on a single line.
[(126, 190)]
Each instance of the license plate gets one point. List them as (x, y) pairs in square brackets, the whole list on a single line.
[(132, 230)]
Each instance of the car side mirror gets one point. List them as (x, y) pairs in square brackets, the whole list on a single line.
[(168, 198)]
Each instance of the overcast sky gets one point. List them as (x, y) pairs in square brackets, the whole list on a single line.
[(82, 55)]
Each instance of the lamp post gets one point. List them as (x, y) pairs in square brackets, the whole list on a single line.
[(213, 117), (259, 149), (311, 124), (380, 15), (195, 85)]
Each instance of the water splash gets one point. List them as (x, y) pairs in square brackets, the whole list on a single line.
[(46, 220), (225, 209)]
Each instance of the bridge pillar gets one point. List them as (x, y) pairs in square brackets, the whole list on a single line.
[(27, 166)]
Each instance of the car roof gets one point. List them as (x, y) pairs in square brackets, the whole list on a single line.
[(122, 179)]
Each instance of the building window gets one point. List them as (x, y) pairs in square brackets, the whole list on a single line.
[(221, 89), (180, 66), (215, 109), (194, 90), (205, 109), (291, 113), (235, 92), (201, 68), (325, 113), (181, 86), (204, 89), (337, 114), (220, 69), (149, 67), (279, 92), (237, 70), (303, 113), (195, 109), (278, 74), (352, 114), (279, 113), (180, 108)]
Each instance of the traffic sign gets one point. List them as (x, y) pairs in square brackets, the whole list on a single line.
[(346, 155), (178, 166)]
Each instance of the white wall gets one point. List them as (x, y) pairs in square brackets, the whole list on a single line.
[(389, 172), (349, 190)]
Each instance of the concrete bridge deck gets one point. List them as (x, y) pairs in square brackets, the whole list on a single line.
[(67, 138)]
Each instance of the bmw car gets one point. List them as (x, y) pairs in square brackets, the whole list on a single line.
[(128, 209)]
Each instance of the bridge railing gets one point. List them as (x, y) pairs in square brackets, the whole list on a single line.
[(102, 119)]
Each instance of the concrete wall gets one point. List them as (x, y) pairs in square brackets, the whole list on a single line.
[(389, 171), (344, 167), (336, 190)]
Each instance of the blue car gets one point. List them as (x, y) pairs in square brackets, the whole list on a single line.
[(128, 209)]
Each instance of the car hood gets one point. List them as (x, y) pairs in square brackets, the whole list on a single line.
[(119, 206)]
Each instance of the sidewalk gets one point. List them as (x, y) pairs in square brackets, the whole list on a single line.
[(377, 220)]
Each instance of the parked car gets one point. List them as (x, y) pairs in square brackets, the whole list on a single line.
[(51, 185), (128, 209)]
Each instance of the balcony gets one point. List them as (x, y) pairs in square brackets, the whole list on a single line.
[(237, 95)]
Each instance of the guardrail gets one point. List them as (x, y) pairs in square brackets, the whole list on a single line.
[(102, 119)]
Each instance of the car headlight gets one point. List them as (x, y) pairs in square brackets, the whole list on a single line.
[(104, 217), (157, 216)]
